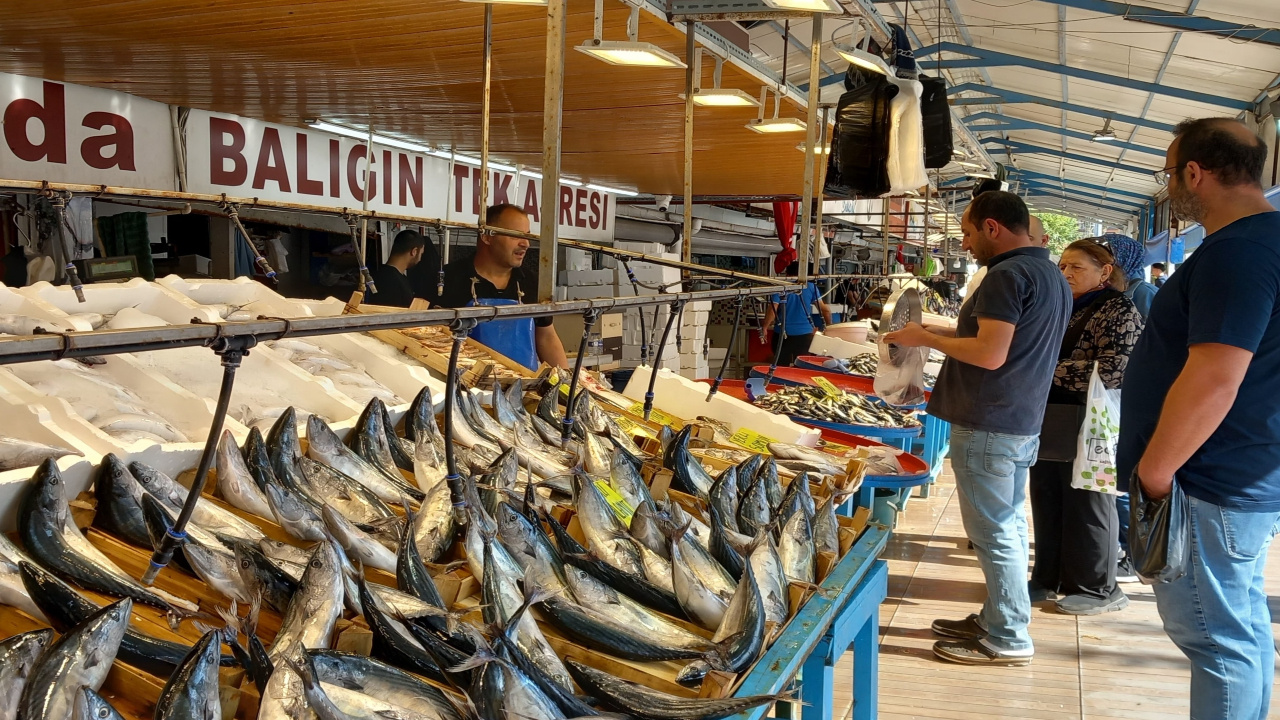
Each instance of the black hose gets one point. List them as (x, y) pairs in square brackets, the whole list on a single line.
[(177, 534), (653, 370), (733, 339), (457, 490), (588, 323)]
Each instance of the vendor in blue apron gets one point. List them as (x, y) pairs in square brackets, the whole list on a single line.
[(493, 277), (799, 327)]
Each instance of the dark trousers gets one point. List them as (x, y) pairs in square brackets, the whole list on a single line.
[(792, 347), (1075, 534)]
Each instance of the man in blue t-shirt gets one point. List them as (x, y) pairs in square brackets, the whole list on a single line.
[(993, 389), (1199, 408), (798, 333)]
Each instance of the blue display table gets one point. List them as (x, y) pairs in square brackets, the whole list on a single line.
[(856, 627)]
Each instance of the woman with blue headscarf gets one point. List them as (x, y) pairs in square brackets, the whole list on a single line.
[(1130, 255)]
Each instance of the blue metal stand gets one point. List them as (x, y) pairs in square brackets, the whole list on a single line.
[(856, 626)]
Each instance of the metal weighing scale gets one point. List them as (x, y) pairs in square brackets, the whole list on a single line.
[(109, 269), (902, 307)]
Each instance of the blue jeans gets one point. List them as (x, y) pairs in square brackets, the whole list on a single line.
[(991, 481), (1217, 613), (1122, 510)]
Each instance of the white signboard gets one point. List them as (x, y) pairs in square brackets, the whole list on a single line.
[(73, 134), (250, 158)]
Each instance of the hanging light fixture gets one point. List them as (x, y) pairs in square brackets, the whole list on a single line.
[(857, 54), (509, 2), (1106, 134), (823, 149), (631, 52), (809, 6), (717, 96), (774, 124)]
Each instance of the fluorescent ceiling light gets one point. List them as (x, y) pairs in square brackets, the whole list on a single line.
[(863, 59), (615, 191), (809, 6), (823, 149), (965, 163), (723, 97), (632, 54), (364, 135), (776, 125), (510, 2)]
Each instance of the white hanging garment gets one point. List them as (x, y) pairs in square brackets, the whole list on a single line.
[(906, 139)]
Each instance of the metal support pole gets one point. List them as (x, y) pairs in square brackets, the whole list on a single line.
[(59, 202), (552, 110), (821, 159), (811, 134), (690, 84), (487, 73), (884, 238), (924, 253), (366, 280)]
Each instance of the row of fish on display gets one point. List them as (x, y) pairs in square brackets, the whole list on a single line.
[(843, 407), (641, 578)]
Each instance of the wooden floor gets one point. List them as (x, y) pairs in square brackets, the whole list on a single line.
[(1114, 666)]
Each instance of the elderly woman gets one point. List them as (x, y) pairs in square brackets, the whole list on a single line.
[(1076, 530)]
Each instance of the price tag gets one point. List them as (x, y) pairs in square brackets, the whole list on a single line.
[(836, 448), (827, 387), (751, 440), (632, 427), (656, 416), (620, 507)]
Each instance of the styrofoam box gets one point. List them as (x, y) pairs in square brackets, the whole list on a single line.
[(239, 292), (837, 348), (110, 298), (401, 374), (685, 398), (180, 408)]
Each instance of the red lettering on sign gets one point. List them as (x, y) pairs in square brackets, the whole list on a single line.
[(566, 205), (579, 207), (306, 185), (386, 176), (122, 140), (460, 173), (604, 212), (593, 221), (271, 162), (52, 117), (475, 192), (501, 187), (335, 161), (354, 157), (531, 202), (226, 142), (411, 180)]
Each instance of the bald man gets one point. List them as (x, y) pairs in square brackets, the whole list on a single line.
[(1038, 235)]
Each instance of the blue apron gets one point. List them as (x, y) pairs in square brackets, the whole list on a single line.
[(512, 337)]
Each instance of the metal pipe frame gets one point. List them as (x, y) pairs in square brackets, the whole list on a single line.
[(705, 269), (552, 116), (810, 149), (55, 346), (486, 83), (690, 85)]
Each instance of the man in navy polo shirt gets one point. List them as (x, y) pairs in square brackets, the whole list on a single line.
[(993, 389), (1200, 408)]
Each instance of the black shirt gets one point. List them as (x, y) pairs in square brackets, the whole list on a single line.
[(458, 277), (393, 287), (1022, 288), (426, 274)]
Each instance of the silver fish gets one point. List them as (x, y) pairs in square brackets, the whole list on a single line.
[(359, 545), (605, 534), (796, 550), (284, 697), (602, 600), (626, 481), (433, 523), (315, 608), (700, 588), (207, 515), (324, 446), (12, 590), (218, 570), (16, 453), (429, 466), (295, 515), (359, 678), (80, 658), (826, 529), (235, 484), (356, 502), (18, 656), (192, 691), (92, 706), (766, 566)]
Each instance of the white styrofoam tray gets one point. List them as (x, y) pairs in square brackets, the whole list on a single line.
[(111, 298)]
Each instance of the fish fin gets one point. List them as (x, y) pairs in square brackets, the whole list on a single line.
[(483, 657)]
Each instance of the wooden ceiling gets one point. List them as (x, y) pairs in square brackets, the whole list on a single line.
[(414, 68)]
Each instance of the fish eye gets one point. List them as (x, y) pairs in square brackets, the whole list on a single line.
[(317, 564), (245, 564), (103, 713), (53, 481)]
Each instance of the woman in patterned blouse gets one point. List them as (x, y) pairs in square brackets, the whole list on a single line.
[(1075, 529)]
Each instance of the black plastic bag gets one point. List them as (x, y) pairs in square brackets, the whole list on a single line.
[(936, 116), (1159, 534), (857, 165)]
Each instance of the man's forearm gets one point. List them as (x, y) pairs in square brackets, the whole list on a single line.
[(550, 349), (1193, 409)]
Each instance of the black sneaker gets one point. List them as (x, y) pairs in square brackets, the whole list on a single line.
[(1040, 593), (1086, 605), (1125, 572), (969, 628), (975, 652)]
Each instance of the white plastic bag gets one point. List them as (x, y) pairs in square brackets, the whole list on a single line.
[(1095, 465)]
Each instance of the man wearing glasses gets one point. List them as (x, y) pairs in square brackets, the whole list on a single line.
[(493, 277), (1199, 410)]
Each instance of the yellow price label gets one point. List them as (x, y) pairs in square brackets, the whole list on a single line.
[(632, 427), (836, 448), (751, 440), (656, 416), (827, 387), (619, 504)]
